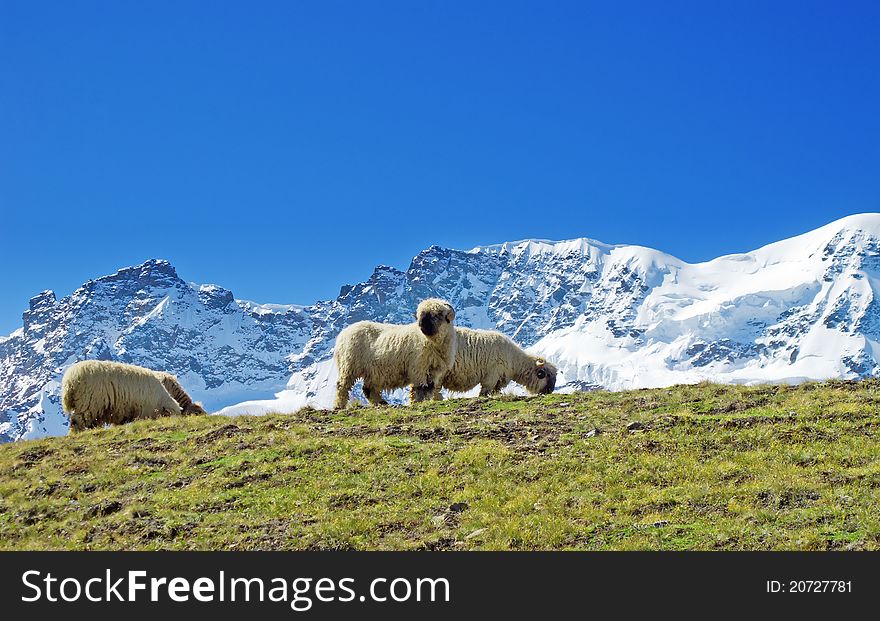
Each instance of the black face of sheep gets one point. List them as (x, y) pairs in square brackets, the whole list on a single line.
[(433, 315), (429, 324), (549, 385), (544, 380)]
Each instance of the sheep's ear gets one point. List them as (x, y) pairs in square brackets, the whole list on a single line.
[(539, 362), (450, 315)]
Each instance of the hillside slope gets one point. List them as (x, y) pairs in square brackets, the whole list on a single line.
[(691, 467)]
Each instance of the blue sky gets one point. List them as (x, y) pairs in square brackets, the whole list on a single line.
[(283, 149)]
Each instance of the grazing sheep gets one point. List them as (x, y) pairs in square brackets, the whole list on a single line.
[(389, 356), (100, 392), (492, 360), (187, 405)]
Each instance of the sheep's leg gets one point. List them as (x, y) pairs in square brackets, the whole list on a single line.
[(421, 393), (418, 393), (501, 384), (343, 388), (374, 396), (76, 422), (490, 384)]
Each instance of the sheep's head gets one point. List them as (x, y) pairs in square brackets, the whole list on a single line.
[(435, 318), (194, 409), (540, 379)]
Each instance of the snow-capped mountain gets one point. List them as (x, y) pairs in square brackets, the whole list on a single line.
[(610, 316)]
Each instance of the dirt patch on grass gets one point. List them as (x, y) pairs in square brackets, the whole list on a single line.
[(311, 415), (31, 456), (77, 469), (527, 435), (437, 545), (247, 480), (103, 509), (146, 530), (736, 406), (181, 482), (31, 516), (45, 490), (274, 534), (146, 461), (226, 431), (350, 501), (216, 507), (850, 385), (750, 421), (788, 499)]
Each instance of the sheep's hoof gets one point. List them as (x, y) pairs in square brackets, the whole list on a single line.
[(422, 393)]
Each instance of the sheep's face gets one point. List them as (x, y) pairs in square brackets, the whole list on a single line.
[(435, 318), (540, 380), (194, 410)]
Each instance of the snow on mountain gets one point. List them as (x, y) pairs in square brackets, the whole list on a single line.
[(611, 316)]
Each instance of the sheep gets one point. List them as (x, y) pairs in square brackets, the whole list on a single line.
[(99, 392), (492, 360), (389, 356)]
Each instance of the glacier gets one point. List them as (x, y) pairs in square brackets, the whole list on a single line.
[(610, 316)]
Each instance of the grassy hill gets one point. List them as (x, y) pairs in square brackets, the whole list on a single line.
[(689, 467)]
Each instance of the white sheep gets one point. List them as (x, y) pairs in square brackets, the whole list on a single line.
[(390, 356), (100, 392), (492, 360)]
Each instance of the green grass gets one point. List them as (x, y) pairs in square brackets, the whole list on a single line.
[(690, 467)]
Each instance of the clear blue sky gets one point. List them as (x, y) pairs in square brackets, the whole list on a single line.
[(283, 149)]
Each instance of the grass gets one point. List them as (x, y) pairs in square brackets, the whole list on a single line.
[(703, 467)]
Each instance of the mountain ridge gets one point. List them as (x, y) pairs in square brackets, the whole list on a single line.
[(612, 316)]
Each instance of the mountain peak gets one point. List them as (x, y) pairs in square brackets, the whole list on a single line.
[(869, 222), (38, 306), (42, 299), (151, 270), (157, 266)]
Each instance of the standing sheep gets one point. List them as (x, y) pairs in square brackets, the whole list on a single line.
[(100, 392), (492, 360), (389, 356)]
